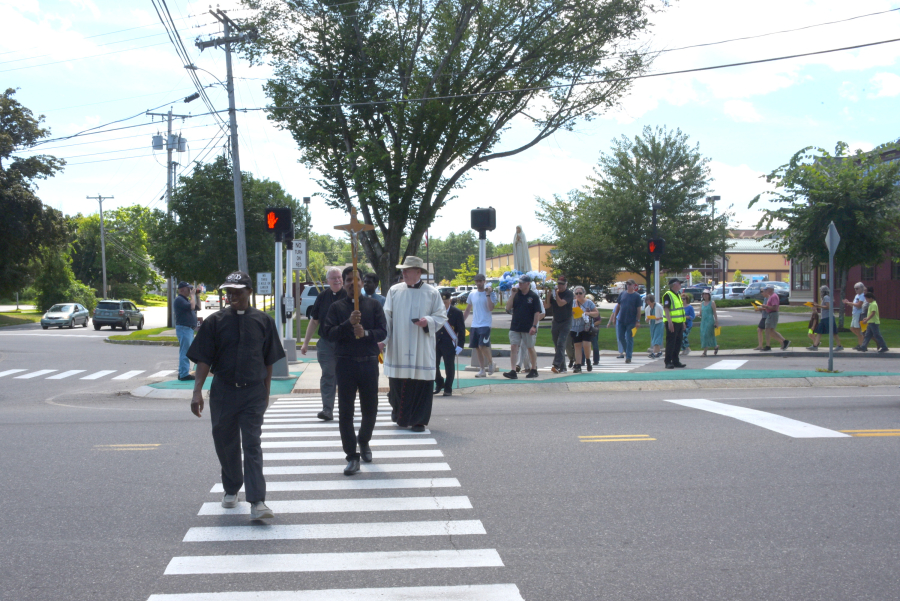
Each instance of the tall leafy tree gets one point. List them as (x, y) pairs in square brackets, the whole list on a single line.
[(582, 252), (198, 241), (858, 192), (659, 166), (27, 225), (395, 102)]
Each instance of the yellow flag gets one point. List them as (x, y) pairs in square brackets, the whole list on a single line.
[(634, 331), (718, 331), (577, 312), (808, 304)]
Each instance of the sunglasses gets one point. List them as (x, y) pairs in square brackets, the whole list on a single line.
[(579, 294)]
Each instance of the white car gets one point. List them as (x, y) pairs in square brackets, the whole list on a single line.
[(306, 300), (212, 302), (735, 292)]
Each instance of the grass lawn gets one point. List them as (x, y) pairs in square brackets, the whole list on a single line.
[(145, 335), (17, 318), (733, 337)]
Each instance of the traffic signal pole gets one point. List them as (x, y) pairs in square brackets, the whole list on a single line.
[(655, 257)]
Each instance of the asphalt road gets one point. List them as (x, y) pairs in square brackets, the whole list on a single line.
[(675, 503)]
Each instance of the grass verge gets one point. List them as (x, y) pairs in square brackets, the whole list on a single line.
[(17, 318), (146, 335)]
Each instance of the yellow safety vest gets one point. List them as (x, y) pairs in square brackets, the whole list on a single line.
[(676, 311)]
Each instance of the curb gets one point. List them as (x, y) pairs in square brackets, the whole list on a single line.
[(142, 342)]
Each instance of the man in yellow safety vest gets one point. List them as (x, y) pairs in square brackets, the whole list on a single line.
[(673, 316)]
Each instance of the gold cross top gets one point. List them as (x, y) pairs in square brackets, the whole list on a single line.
[(354, 226)]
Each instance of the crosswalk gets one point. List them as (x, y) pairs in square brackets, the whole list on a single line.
[(611, 365), (426, 518), (25, 374)]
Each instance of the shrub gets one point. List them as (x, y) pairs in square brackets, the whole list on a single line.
[(125, 290), (80, 292)]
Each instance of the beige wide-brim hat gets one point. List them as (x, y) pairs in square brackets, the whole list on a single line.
[(413, 262)]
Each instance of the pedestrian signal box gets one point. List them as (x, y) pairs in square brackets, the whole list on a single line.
[(279, 221), (656, 246)]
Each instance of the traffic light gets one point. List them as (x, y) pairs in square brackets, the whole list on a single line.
[(656, 246), (278, 221)]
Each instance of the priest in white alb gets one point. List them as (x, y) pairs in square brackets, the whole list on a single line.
[(414, 312)]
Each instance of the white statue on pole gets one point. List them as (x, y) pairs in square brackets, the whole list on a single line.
[(521, 258)]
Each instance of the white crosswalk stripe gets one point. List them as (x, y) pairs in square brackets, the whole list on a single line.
[(727, 364), (99, 374), (10, 372), (162, 374), (66, 374), (317, 472), (129, 374), (35, 374)]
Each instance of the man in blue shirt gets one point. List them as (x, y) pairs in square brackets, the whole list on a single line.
[(627, 317), (185, 323)]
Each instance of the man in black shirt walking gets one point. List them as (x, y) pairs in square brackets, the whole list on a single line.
[(238, 344), (355, 336), (449, 338)]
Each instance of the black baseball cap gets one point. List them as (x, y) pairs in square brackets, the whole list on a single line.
[(184, 284), (238, 279), (445, 295), (674, 281)]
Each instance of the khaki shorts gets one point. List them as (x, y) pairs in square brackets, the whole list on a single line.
[(772, 320), (522, 339)]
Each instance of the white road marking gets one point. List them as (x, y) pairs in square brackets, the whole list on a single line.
[(331, 424), (327, 531), (371, 484), (296, 420), (129, 374), (393, 432), (66, 374), (282, 413), (99, 374), (470, 592), (294, 444), (346, 505), (300, 456), (35, 374), (727, 364), (770, 421), (334, 562), (10, 372), (162, 374), (374, 468)]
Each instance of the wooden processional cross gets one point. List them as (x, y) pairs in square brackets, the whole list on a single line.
[(355, 227)]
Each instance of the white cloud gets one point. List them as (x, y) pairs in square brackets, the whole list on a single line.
[(887, 84), (741, 110), (849, 91), (738, 185)]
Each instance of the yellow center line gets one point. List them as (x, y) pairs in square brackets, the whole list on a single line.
[(615, 436), (616, 439), (127, 445), (884, 430), (876, 434), (131, 449)]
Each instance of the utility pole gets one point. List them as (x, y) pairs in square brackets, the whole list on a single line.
[(227, 40), (100, 199), (172, 143)]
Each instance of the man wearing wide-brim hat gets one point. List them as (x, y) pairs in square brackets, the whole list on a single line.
[(414, 313)]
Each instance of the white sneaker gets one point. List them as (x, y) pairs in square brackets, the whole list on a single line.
[(229, 501), (259, 511), (481, 374), (491, 369)]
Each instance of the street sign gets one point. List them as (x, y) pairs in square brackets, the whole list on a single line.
[(264, 283), (300, 261), (832, 239), (288, 304)]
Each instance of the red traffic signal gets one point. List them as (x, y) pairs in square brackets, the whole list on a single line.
[(279, 220), (656, 246)]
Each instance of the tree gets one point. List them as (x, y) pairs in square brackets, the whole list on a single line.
[(738, 276), (659, 166), (582, 252), (201, 245), (57, 284), (697, 276), (466, 272), (127, 245), (27, 226), (857, 192), (395, 102)]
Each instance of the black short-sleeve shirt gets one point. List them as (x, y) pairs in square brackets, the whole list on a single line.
[(323, 302), (564, 313), (523, 310), (237, 347)]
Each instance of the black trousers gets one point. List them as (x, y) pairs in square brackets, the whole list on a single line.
[(237, 417), (447, 352), (352, 377), (673, 343)]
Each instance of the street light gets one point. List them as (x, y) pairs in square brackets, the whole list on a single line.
[(711, 200)]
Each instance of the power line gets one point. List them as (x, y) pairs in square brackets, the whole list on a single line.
[(78, 58), (114, 139)]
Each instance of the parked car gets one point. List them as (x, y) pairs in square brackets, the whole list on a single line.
[(697, 290), (732, 292), (460, 298), (782, 289), (446, 289), (307, 299), (121, 313), (66, 314)]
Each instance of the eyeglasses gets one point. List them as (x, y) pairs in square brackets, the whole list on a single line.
[(579, 294)]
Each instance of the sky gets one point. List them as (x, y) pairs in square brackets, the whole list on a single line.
[(83, 63)]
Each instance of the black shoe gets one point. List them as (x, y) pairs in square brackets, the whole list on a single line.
[(511, 374), (438, 387), (596, 359), (577, 368), (571, 363), (589, 368), (785, 344), (448, 393), (187, 378), (418, 428), (620, 356), (679, 365), (669, 366), (883, 349), (532, 374), (352, 467), (325, 416), (768, 348), (365, 452), (863, 349)]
